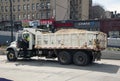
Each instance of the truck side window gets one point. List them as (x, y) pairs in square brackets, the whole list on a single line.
[(19, 40), (26, 36), (25, 40)]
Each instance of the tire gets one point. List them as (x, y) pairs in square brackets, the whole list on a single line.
[(11, 56), (64, 58), (81, 59)]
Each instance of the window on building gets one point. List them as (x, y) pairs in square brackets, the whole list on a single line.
[(48, 14), (28, 16), (6, 8), (18, 7), (44, 15), (13, 7), (28, 6), (6, 17), (37, 6), (2, 8), (24, 16), (2, 17), (41, 15), (80, 1), (19, 17), (48, 5), (24, 7), (37, 16), (33, 16), (33, 6), (42, 5), (80, 15)]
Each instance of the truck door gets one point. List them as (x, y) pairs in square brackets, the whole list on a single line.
[(26, 39), (19, 40), (29, 37)]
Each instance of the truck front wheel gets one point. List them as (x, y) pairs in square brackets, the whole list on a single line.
[(64, 57), (81, 58), (11, 55)]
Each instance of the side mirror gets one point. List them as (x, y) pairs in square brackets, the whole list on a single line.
[(7, 42)]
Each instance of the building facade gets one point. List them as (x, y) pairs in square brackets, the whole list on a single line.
[(79, 9), (45, 9), (25, 9)]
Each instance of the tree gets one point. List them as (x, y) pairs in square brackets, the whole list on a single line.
[(97, 12)]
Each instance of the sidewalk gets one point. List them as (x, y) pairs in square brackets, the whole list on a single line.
[(2, 51)]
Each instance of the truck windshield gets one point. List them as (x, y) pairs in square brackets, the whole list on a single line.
[(19, 37)]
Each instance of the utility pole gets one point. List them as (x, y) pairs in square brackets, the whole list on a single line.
[(11, 20), (55, 9)]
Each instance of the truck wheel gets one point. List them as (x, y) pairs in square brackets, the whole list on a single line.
[(64, 58), (11, 55), (81, 59)]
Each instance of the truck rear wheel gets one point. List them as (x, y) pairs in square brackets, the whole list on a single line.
[(11, 55), (64, 58), (81, 58)]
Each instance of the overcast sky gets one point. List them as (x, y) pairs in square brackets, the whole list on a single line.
[(110, 5)]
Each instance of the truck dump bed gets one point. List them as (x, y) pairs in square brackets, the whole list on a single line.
[(71, 39)]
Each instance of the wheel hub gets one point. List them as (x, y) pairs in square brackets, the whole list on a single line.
[(11, 56), (63, 59), (80, 58)]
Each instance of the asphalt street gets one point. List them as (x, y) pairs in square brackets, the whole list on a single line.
[(39, 69)]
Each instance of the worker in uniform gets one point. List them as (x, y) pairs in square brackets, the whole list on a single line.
[(25, 44)]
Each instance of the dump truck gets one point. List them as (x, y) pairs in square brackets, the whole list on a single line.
[(80, 47)]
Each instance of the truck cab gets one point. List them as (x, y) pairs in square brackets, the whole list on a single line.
[(24, 40)]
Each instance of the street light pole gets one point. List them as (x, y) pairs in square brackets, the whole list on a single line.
[(11, 20)]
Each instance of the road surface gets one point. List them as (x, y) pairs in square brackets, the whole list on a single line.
[(39, 69)]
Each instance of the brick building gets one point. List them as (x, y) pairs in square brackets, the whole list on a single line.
[(45, 9)]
